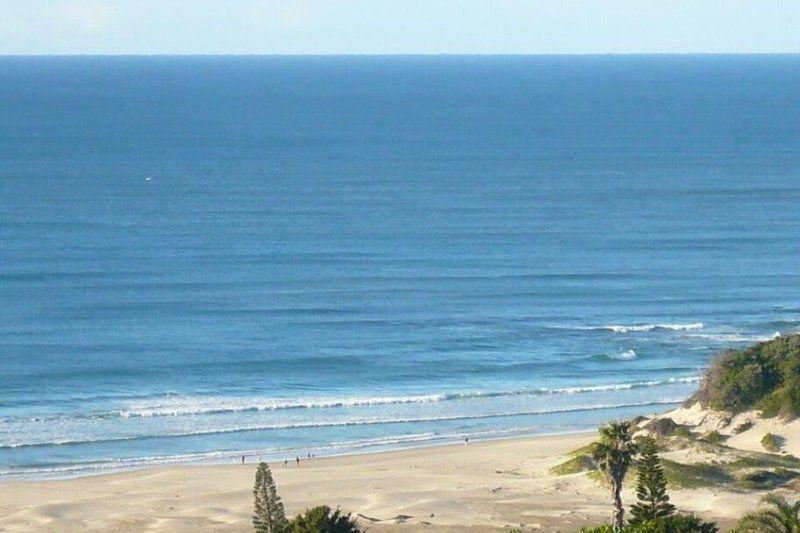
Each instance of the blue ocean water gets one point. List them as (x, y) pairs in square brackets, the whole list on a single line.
[(203, 257)]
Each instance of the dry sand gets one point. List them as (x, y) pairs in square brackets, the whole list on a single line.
[(486, 486)]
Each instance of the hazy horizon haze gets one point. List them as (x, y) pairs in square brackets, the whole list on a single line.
[(391, 27)]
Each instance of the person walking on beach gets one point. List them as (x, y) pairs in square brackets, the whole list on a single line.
[(298, 461), (243, 459), (466, 441)]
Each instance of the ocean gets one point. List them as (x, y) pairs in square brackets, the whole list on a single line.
[(204, 257)]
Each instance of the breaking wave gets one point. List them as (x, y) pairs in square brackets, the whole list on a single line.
[(343, 423), (189, 406), (650, 327)]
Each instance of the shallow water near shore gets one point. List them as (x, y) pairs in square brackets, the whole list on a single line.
[(203, 257)]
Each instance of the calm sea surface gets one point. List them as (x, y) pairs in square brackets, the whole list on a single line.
[(203, 257)]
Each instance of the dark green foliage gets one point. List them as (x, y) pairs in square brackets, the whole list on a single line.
[(771, 443), (766, 479), (678, 523), (605, 528), (268, 513), (651, 487), (683, 432), (323, 519), (774, 515), (685, 523), (714, 437), (765, 376), (614, 453)]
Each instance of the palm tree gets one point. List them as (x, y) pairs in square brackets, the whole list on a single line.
[(774, 515), (614, 453)]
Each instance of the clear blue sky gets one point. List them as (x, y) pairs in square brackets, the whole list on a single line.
[(397, 26)]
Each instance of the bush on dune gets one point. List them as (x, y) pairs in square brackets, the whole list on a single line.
[(771, 443), (323, 519), (765, 376), (679, 523)]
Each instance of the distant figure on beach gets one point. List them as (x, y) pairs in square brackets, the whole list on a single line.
[(298, 461), (466, 441), (243, 459), (285, 463)]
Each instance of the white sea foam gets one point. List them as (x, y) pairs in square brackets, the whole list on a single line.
[(343, 423), (194, 405), (210, 405), (651, 327), (625, 355), (181, 406), (735, 337)]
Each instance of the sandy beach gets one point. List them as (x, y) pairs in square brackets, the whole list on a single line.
[(485, 486)]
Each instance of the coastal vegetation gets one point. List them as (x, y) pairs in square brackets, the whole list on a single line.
[(771, 443), (323, 519), (651, 487), (661, 453), (774, 515), (269, 515), (614, 454), (725, 466), (765, 376), (714, 437), (678, 523)]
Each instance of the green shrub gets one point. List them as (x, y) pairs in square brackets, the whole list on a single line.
[(323, 519), (741, 428), (714, 437), (765, 376), (684, 432), (766, 479), (679, 523), (771, 443)]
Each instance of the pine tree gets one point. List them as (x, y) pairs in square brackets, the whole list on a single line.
[(268, 513), (651, 487)]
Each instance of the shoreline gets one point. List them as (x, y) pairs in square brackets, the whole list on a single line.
[(228, 457), (253, 458), (488, 485)]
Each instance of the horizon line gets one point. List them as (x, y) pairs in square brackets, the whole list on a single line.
[(404, 54)]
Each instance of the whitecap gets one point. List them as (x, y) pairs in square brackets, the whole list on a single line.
[(625, 355), (651, 327)]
